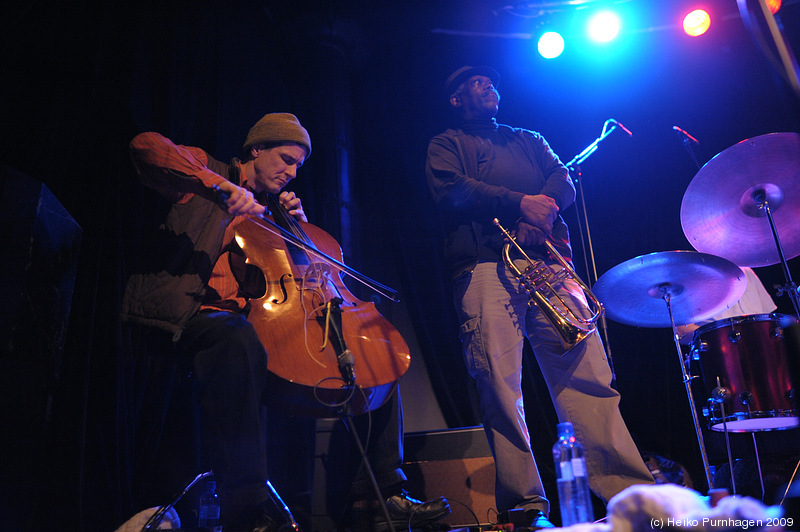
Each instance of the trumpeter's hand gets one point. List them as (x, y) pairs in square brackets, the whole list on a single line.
[(540, 211), (528, 235)]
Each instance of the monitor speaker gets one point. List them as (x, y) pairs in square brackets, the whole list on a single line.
[(456, 464)]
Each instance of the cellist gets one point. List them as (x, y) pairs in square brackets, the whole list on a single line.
[(200, 295)]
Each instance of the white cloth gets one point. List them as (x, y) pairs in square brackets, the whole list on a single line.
[(674, 508), (755, 300)]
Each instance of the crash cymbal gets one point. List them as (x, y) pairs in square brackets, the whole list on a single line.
[(699, 286), (720, 212)]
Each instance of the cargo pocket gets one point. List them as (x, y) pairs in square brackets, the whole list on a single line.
[(474, 351)]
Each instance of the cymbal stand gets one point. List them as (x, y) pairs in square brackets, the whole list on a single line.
[(575, 166), (762, 202), (687, 382)]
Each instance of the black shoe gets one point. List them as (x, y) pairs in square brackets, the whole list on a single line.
[(407, 512)]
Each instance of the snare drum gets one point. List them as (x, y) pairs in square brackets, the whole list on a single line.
[(745, 371)]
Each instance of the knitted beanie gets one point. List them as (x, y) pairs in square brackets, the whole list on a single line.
[(278, 127)]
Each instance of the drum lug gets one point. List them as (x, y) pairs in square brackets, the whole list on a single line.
[(734, 336), (746, 397), (697, 348)]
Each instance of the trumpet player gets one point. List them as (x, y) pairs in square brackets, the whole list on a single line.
[(479, 171)]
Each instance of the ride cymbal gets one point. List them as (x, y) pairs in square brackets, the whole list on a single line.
[(720, 212)]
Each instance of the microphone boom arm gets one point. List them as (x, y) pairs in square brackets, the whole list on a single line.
[(591, 148)]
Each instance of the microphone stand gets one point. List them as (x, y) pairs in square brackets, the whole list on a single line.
[(159, 514), (347, 369), (575, 166)]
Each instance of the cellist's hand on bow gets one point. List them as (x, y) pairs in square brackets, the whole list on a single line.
[(292, 204), (240, 201)]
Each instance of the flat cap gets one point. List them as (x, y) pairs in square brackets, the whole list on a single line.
[(464, 73)]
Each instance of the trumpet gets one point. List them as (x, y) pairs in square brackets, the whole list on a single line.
[(538, 280)]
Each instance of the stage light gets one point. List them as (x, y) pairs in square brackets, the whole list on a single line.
[(604, 26), (551, 44), (774, 5), (696, 23)]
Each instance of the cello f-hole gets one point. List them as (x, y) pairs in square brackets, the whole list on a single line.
[(282, 284)]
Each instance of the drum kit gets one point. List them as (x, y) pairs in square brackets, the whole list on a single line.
[(742, 209)]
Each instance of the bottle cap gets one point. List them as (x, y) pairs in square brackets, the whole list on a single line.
[(565, 428)]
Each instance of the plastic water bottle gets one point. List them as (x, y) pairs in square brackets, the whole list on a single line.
[(208, 518), (571, 478)]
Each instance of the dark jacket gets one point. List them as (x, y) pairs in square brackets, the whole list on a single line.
[(173, 287), (470, 195)]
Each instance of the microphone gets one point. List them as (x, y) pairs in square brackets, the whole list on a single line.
[(623, 128), (347, 367), (685, 135)]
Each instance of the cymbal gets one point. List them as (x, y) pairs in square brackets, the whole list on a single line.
[(720, 211), (699, 286)]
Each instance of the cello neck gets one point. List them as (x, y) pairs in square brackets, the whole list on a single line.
[(283, 219)]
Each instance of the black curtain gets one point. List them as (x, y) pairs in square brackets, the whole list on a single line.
[(81, 81)]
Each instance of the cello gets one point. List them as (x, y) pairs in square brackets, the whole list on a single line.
[(326, 348)]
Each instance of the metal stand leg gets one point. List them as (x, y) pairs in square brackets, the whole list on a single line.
[(687, 382), (282, 508), (347, 419), (789, 484), (719, 395), (758, 465)]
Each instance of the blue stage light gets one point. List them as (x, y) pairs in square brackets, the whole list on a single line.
[(550, 45), (604, 26)]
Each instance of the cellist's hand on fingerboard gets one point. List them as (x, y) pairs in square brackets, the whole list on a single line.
[(291, 203)]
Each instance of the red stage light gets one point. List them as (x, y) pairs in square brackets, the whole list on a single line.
[(774, 5), (696, 23)]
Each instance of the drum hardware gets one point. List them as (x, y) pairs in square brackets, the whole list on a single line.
[(747, 355), (746, 398), (721, 214), (719, 396), (746, 361), (790, 483), (668, 289)]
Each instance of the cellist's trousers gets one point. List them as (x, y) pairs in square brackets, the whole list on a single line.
[(495, 321), (230, 367)]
